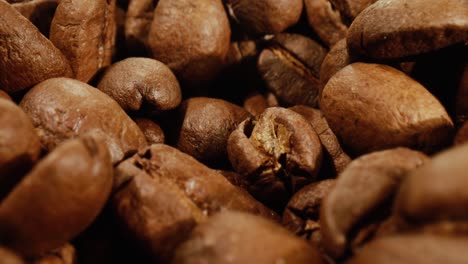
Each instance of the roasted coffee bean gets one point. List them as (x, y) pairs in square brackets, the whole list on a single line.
[(63, 255), (336, 59), (26, 56), (235, 238), (291, 69), (8, 257), (152, 131), (393, 29), (302, 213), (165, 184), (261, 101), (278, 153), (331, 18), (85, 32), (265, 16), (256, 103), (435, 192), (242, 50), (19, 145), (462, 134), (4, 95), (140, 15), (413, 249), (141, 82), (360, 192), (191, 37), (58, 198), (335, 159), (234, 178), (39, 12), (203, 128), (62, 108), (372, 107)]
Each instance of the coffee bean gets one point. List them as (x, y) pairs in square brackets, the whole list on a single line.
[(372, 107), (277, 153), (331, 18), (26, 56), (85, 32), (39, 12), (462, 134), (203, 126), (265, 16), (58, 198), (192, 38), (140, 15), (4, 95), (9, 257), (335, 159), (302, 213), (19, 145), (234, 237), (291, 69), (435, 192), (137, 83), (413, 249), (336, 59), (152, 131), (163, 183), (234, 178), (393, 29), (360, 191), (257, 103), (63, 255), (62, 108)]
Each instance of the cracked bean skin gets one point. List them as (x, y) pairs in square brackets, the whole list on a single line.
[(302, 213), (63, 108), (26, 56), (161, 182), (277, 153), (85, 33), (137, 83), (335, 159), (58, 198), (373, 107), (386, 30)]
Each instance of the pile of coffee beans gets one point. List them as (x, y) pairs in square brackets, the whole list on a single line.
[(233, 131)]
